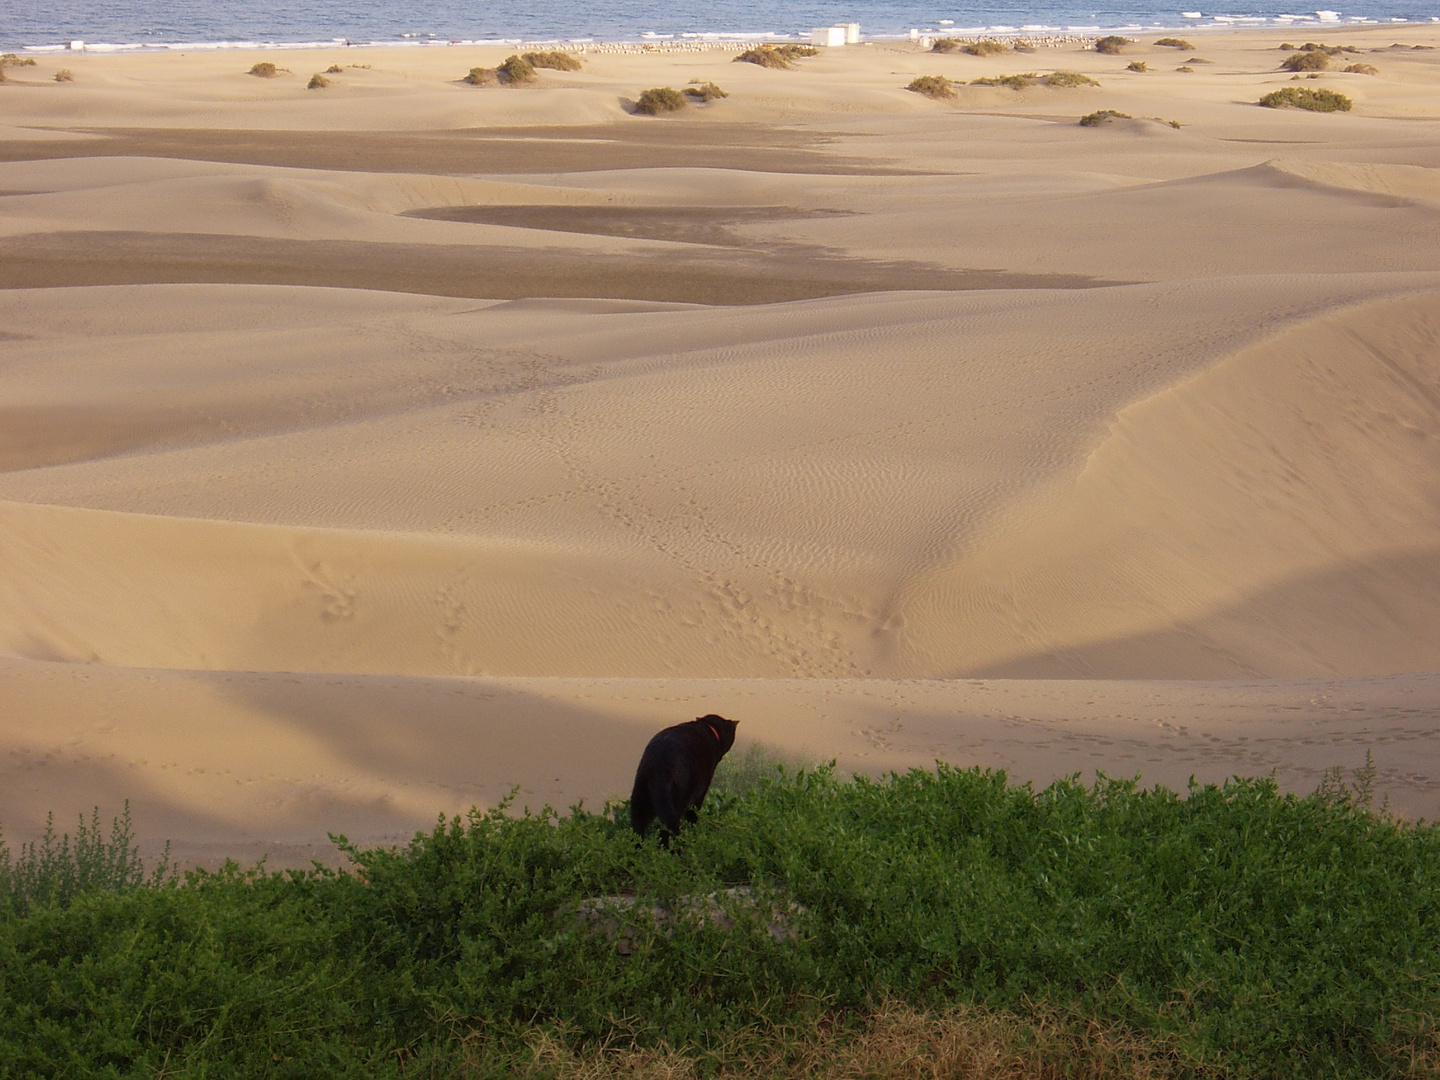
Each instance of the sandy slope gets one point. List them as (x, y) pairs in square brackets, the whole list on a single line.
[(508, 427)]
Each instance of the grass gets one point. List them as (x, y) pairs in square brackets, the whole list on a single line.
[(1306, 61), (1014, 82), (264, 70), (515, 71), (946, 45), (480, 76), (776, 56), (933, 86), (1174, 43), (986, 47), (64, 75), (1112, 44), (949, 924), (706, 91), (660, 99), (317, 82), (1362, 69), (11, 59), (1137, 65), (1298, 97), (557, 61), (1103, 116), (1064, 80), (334, 69)]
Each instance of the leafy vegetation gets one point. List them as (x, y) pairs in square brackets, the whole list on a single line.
[(986, 47), (515, 70), (1103, 116), (776, 56), (1315, 46), (1064, 80), (1306, 61), (937, 919), (264, 70), (1299, 97), (1015, 82), (1174, 43), (933, 86), (660, 99), (1137, 65), (480, 76), (1112, 44), (556, 61), (706, 91)]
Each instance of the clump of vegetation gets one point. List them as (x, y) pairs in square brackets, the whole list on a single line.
[(1185, 68), (1112, 44), (1065, 80), (706, 91), (557, 61), (64, 75), (515, 70), (986, 47), (11, 59), (1306, 61), (1299, 97), (480, 76), (317, 82), (946, 45), (264, 70), (1174, 43), (660, 99), (334, 69), (776, 56), (1014, 82), (1362, 69), (1103, 116), (1199, 60), (1137, 65), (933, 86)]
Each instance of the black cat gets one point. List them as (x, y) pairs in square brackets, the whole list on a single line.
[(675, 772)]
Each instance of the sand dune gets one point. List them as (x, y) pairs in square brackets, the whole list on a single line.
[(369, 451)]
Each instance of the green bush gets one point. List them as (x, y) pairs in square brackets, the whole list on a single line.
[(776, 56), (661, 99), (1174, 43), (515, 70), (1111, 44), (707, 91), (557, 61), (1064, 80), (1103, 116), (986, 47), (480, 76), (1014, 82), (932, 86), (1306, 61), (1297, 97)]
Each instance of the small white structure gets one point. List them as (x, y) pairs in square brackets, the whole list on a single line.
[(77, 46), (827, 36), (852, 33)]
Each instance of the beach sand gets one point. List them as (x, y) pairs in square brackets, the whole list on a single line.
[(371, 451)]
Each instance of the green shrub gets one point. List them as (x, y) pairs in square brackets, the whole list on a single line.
[(795, 52), (1064, 80), (480, 76), (707, 91), (1111, 44), (1104, 116), (661, 99), (766, 56), (264, 70), (932, 86), (64, 75), (1174, 43), (515, 70), (557, 61), (1297, 97), (1306, 61), (1137, 65), (317, 82), (1362, 69), (986, 47), (1014, 82)]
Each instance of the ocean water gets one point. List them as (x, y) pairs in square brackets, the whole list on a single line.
[(140, 24)]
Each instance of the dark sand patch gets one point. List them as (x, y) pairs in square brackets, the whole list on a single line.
[(713, 276), (472, 152), (685, 224)]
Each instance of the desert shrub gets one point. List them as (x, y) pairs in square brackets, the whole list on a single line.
[(1185, 67), (660, 99), (1199, 60), (516, 70), (795, 52), (946, 45), (1104, 116), (1111, 44), (986, 47), (317, 82), (932, 86), (1174, 43), (1362, 69), (1299, 97), (1137, 65), (766, 56), (64, 75), (1064, 80), (1014, 82), (707, 91), (1306, 61), (334, 69), (480, 76), (11, 59), (557, 61), (264, 70)]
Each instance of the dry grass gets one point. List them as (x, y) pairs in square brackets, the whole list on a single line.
[(1137, 65), (707, 91), (1014, 82), (1112, 44), (894, 1042), (11, 59), (946, 45), (64, 75), (933, 86), (1299, 97), (987, 47), (556, 61), (334, 69), (776, 56), (1306, 61), (1065, 80), (659, 99), (1174, 43), (480, 76), (1186, 68), (264, 70), (1103, 116), (1362, 69), (317, 82)]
